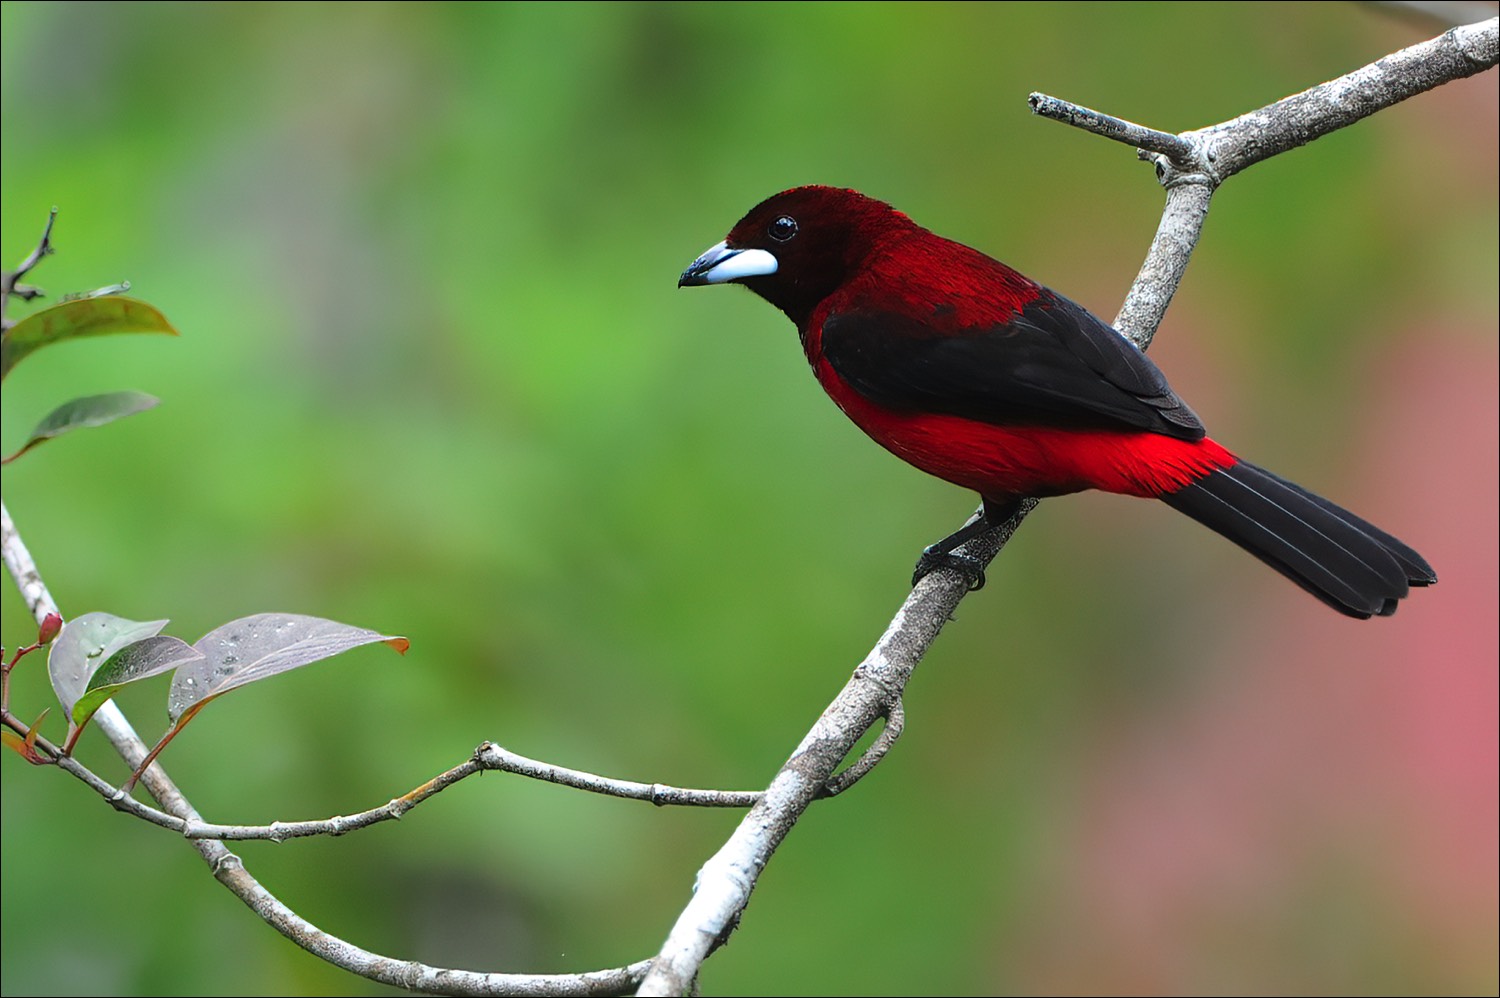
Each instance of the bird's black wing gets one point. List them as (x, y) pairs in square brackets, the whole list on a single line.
[(1051, 364)]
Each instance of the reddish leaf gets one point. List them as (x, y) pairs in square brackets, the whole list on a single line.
[(81, 317), (31, 733), (26, 747), (23, 748)]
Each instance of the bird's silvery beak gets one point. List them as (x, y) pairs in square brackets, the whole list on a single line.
[(720, 263)]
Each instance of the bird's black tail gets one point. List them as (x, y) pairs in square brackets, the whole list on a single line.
[(1354, 567)]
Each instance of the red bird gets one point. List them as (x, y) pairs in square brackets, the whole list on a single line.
[(971, 372)]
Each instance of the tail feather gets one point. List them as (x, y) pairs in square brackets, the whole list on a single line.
[(1418, 572), (1341, 559)]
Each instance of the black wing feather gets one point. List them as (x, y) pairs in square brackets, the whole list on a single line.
[(1053, 363)]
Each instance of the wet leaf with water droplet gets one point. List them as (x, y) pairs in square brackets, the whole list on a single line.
[(148, 657), (251, 648), (267, 644), (86, 643)]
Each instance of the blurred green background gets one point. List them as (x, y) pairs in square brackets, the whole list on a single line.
[(435, 379)]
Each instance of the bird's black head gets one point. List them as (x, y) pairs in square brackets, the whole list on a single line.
[(796, 248)]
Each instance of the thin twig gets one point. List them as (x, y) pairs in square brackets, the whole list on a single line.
[(895, 723), (10, 279), (1111, 127), (492, 756), (486, 758)]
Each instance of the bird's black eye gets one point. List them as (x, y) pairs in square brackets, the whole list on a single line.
[(784, 228)]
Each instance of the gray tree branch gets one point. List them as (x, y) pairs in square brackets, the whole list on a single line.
[(230, 870), (1190, 166)]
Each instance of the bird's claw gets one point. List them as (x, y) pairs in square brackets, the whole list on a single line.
[(970, 568)]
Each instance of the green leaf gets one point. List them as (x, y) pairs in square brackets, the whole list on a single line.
[(148, 657), (72, 319), (90, 410)]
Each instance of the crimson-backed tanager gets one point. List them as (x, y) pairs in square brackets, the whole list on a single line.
[(970, 371)]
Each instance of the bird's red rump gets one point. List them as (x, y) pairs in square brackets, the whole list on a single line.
[(1004, 461), (1001, 461)]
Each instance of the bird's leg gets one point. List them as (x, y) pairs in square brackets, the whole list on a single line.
[(941, 555)]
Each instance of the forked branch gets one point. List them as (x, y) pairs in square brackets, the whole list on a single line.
[(1190, 165)]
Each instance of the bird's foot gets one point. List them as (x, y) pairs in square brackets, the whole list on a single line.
[(933, 558)]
